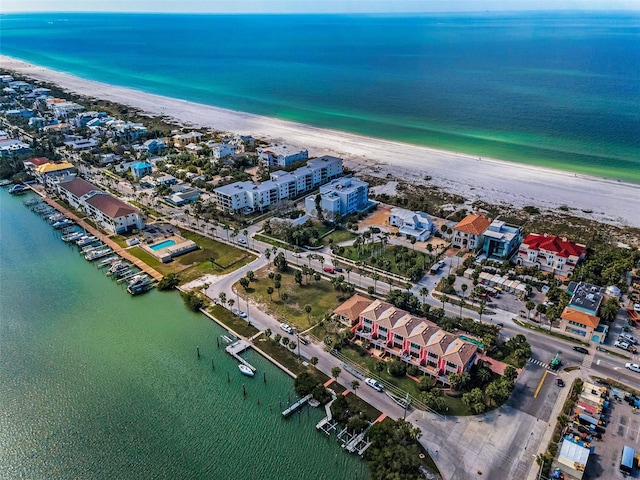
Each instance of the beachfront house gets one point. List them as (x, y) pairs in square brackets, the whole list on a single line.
[(468, 233), (281, 155), (392, 332), (184, 139), (104, 209), (549, 253), (501, 240), (49, 174), (340, 197), (222, 150), (411, 224), (154, 146)]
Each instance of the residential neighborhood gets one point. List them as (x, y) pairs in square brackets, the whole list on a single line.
[(447, 313)]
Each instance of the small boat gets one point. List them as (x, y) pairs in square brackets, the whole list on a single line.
[(108, 261), (65, 222), (96, 254), (86, 240), (140, 283), (17, 189), (245, 370), (72, 237)]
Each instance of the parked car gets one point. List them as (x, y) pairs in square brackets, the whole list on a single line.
[(634, 367), (286, 328), (636, 307), (329, 270), (297, 255), (581, 350), (242, 241), (374, 384), (626, 337), (304, 340), (338, 269), (623, 345), (559, 382)]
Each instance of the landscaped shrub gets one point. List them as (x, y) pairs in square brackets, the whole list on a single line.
[(397, 368)]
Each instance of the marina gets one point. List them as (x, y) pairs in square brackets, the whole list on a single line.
[(238, 347)]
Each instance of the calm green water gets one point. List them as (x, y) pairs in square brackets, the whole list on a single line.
[(97, 384)]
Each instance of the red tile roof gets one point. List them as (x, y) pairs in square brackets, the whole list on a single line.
[(573, 315), (560, 246), (473, 224), (111, 206), (78, 187), (37, 161)]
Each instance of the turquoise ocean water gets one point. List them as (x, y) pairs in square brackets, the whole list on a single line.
[(96, 384), (559, 90)]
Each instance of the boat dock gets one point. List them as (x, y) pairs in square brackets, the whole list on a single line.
[(296, 405), (104, 238), (236, 348)]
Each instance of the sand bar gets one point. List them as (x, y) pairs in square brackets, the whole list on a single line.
[(494, 181)]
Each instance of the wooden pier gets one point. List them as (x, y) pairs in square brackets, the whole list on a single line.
[(296, 405), (104, 238), (236, 348)]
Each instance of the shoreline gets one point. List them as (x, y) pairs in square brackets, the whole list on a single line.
[(493, 181)]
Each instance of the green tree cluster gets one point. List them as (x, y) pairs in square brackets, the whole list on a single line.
[(394, 452)]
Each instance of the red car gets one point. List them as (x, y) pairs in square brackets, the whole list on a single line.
[(329, 270)]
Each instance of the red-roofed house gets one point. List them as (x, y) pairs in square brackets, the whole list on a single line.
[(467, 233), (550, 253)]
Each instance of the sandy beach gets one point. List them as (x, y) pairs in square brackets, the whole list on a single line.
[(493, 181)]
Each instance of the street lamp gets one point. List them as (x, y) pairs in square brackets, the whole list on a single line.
[(298, 337)]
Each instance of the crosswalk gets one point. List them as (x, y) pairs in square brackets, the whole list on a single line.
[(535, 361)]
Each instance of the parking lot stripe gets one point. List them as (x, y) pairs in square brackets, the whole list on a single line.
[(544, 375)]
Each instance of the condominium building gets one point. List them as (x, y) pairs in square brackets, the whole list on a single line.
[(281, 155), (340, 197), (549, 253), (249, 197)]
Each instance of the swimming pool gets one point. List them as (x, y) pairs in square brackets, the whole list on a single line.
[(161, 245)]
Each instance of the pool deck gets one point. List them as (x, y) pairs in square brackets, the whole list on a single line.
[(102, 237)]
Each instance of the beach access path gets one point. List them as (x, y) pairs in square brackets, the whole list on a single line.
[(490, 180)]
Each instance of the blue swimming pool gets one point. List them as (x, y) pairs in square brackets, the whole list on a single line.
[(161, 245)]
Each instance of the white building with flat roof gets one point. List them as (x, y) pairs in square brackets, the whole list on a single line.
[(340, 197), (281, 155), (249, 196)]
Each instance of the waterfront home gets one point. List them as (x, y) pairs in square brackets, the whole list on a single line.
[(31, 164), (411, 224), (467, 233), (340, 197), (222, 150), (281, 155), (61, 108), (393, 332), (105, 210), (49, 174), (83, 144), (501, 240), (184, 139), (140, 169), (549, 253)]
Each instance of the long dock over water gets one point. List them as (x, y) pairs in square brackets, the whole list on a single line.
[(296, 405), (236, 348), (102, 237)]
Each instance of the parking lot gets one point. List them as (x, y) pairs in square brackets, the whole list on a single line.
[(623, 429), (156, 231)]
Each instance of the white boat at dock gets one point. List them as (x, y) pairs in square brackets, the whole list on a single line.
[(86, 240), (245, 370), (72, 237), (17, 189), (108, 261), (139, 283), (96, 254), (65, 222)]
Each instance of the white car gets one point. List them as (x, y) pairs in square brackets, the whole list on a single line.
[(286, 328), (625, 337), (242, 241), (374, 384), (297, 255), (636, 307), (634, 367), (622, 345)]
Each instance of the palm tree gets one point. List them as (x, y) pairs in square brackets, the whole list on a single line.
[(223, 298), (423, 293), (284, 297), (529, 305), (348, 270), (335, 372), (355, 385), (464, 288), (230, 302), (375, 277), (270, 292), (307, 309)]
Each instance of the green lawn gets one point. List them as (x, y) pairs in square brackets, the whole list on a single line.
[(456, 407), (232, 321), (364, 255), (338, 236), (153, 262), (320, 295)]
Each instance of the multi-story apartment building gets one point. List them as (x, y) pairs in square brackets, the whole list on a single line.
[(342, 196), (281, 155), (415, 341)]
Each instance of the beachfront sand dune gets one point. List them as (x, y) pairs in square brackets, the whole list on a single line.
[(490, 180)]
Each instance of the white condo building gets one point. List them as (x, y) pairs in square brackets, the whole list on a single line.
[(281, 155), (342, 196), (249, 196)]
